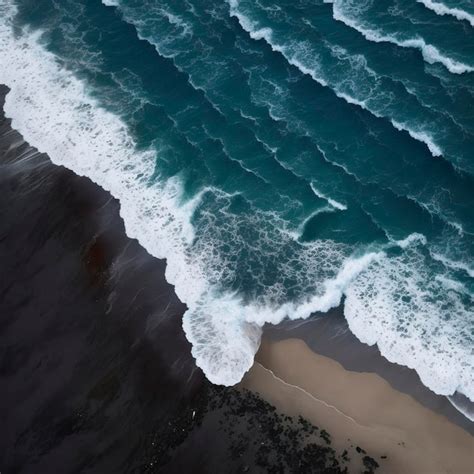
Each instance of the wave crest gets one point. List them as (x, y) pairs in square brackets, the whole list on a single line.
[(429, 52), (441, 9)]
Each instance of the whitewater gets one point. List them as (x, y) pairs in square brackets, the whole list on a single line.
[(386, 289), (441, 9), (316, 73), (430, 53)]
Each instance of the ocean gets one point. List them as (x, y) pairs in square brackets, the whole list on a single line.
[(285, 158)]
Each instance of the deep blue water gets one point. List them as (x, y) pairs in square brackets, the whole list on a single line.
[(296, 155)]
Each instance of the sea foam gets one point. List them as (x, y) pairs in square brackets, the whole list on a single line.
[(415, 320), (429, 52), (54, 112), (441, 9), (266, 34), (335, 204)]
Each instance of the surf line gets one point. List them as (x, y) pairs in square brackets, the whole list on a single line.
[(310, 395)]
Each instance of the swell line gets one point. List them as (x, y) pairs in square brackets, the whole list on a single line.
[(429, 52), (441, 9), (265, 33)]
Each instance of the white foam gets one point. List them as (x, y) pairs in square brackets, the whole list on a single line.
[(398, 305), (451, 284), (266, 34), (412, 239), (441, 9), (429, 52), (459, 228), (54, 112), (420, 136), (178, 22), (332, 202), (456, 265), (328, 297)]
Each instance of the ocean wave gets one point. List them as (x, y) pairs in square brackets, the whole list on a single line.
[(452, 285), (429, 52), (335, 204), (421, 137), (223, 330), (412, 239), (166, 48), (266, 34), (54, 112), (441, 9), (396, 304)]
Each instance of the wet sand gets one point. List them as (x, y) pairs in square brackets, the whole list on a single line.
[(329, 335), (403, 435)]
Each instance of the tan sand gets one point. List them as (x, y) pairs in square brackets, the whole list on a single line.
[(361, 407)]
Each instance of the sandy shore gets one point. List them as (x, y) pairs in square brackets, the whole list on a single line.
[(362, 407), (329, 335)]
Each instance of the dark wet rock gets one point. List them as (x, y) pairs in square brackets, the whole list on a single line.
[(370, 464), (258, 438), (326, 436)]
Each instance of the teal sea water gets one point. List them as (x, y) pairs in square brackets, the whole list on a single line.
[(285, 157)]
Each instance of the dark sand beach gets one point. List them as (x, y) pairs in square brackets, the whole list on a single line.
[(95, 370)]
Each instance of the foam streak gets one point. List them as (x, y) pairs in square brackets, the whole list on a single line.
[(441, 9)]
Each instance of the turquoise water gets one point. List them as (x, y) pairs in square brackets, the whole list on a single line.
[(283, 156)]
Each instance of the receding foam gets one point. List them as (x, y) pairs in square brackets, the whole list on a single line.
[(416, 320)]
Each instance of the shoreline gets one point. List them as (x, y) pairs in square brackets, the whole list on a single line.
[(329, 335), (157, 372), (362, 409), (98, 373)]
